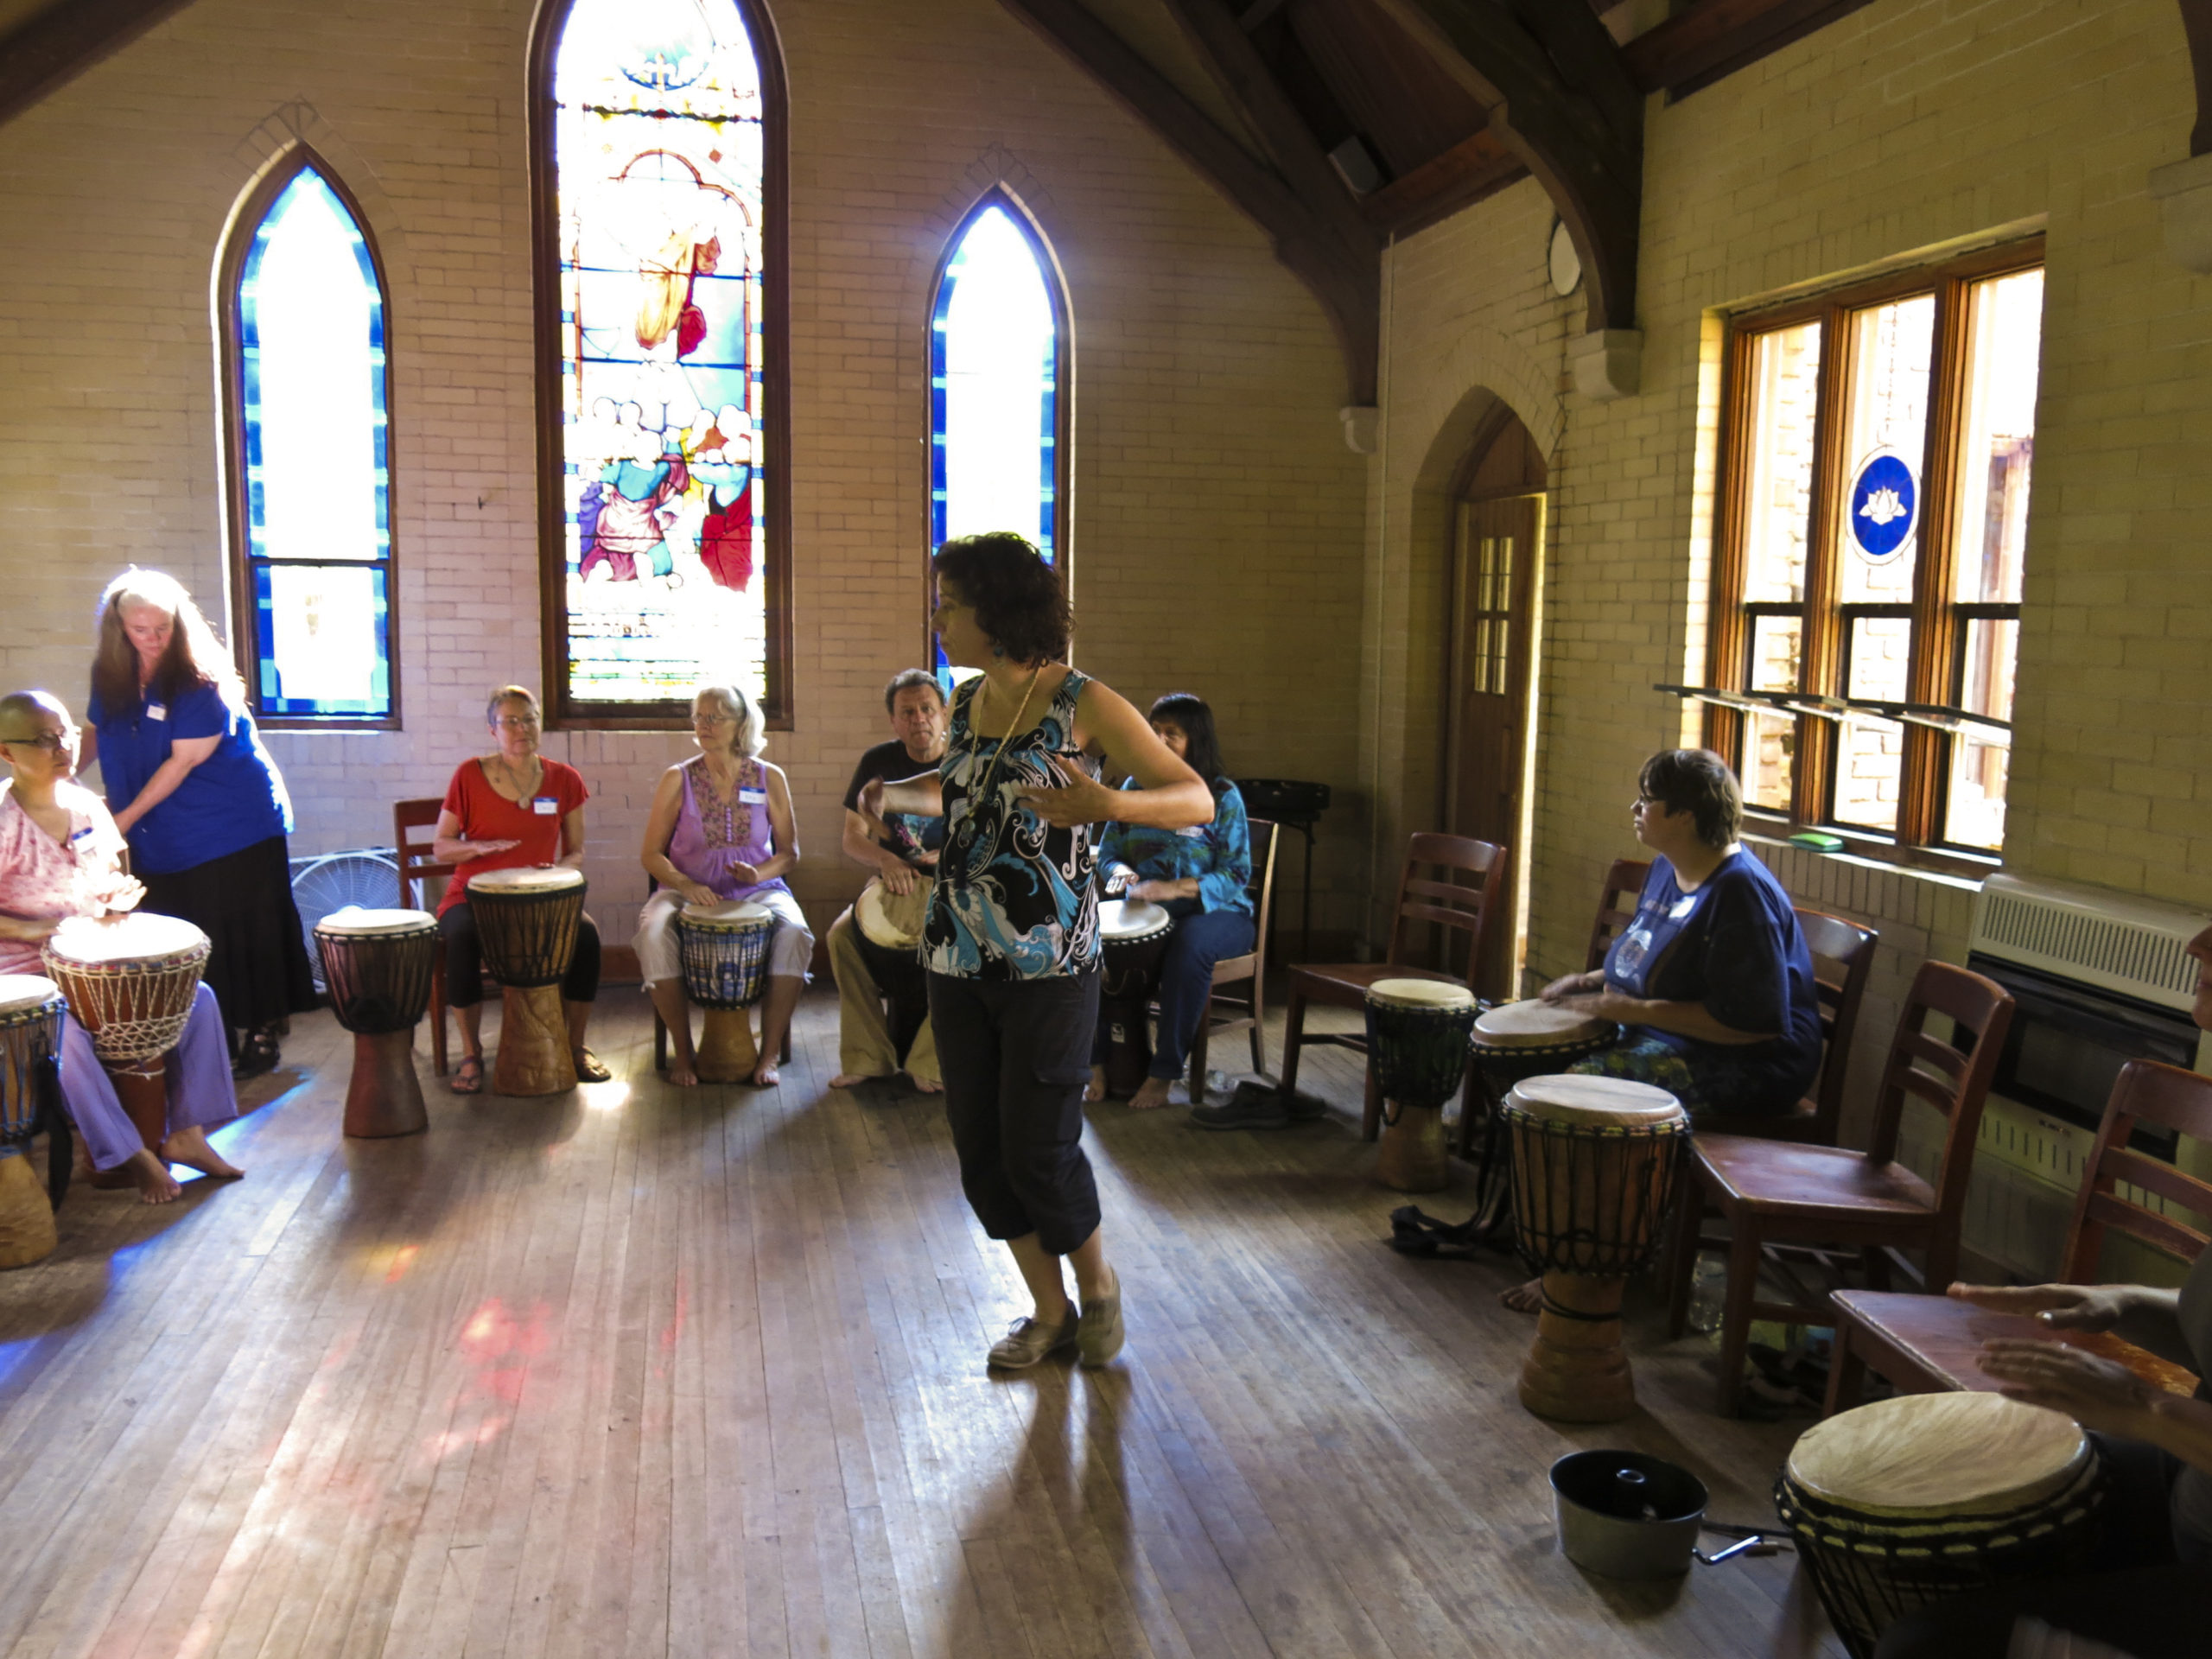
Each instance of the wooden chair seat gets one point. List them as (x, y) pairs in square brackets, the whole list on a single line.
[(1931, 1344), (1247, 1012), (1814, 1189)]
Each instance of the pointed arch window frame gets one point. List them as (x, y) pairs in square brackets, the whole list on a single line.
[(1060, 414), (562, 709), (245, 611)]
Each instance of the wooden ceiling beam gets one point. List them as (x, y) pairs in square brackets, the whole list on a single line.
[(1475, 167), (1562, 102), (57, 45), (1309, 239), (1715, 38)]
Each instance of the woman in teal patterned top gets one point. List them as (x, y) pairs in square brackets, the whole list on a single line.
[(1199, 875), (1012, 939)]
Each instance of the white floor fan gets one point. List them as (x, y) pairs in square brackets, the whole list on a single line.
[(366, 876)]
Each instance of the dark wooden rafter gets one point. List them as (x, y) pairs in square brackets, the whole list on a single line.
[(54, 47), (2196, 22), (1561, 101), (1715, 38), (1328, 246)]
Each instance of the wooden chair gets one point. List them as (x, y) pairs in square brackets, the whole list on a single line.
[(1616, 902), (1449, 903), (1843, 958), (417, 867), (1929, 1344), (1775, 1191), (1248, 1012)]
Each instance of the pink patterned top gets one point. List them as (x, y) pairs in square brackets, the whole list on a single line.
[(38, 877)]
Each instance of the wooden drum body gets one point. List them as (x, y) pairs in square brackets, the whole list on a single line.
[(1906, 1501), (1417, 1032), (377, 964), (1133, 935), (725, 954), (889, 926), (526, 921), (1594, 1161), (130, 981), (30, 1036)]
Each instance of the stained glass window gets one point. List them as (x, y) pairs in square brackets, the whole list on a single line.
[(995, 385), (312, 483), (660, 152)]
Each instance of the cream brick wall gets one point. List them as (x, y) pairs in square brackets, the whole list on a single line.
[(1909, 126), (1216, 511)]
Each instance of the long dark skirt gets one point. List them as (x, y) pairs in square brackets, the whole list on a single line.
[(243, 902)]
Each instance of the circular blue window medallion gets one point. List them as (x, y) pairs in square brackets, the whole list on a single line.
[(1884, 506)]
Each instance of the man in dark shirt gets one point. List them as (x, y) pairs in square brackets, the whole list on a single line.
[(901, 852)]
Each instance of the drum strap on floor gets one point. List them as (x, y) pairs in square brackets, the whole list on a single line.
[(1413, 1232)]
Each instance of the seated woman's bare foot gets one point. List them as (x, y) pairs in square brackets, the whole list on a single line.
[(853, 1079), (1151, 1097), (1523, 1298), (1095, 1091), (189, 1146), (766, 1076), (682, 1075), (923, 1086), (151, 1177)]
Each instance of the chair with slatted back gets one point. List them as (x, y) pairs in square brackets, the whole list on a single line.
[(1779, 1192), (1616, 902), (1930, 1344), (1248, 1012), (1431, 899), (416, 869), (1843, 959)]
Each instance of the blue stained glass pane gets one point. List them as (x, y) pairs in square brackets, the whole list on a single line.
[(658, 145), (324, 639)]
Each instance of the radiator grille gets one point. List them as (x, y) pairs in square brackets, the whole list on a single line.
[(2128, 946)]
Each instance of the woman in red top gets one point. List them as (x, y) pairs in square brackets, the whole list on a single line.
[(510, 809)]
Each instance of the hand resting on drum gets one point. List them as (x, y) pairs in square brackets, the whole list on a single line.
[(1586, 994)]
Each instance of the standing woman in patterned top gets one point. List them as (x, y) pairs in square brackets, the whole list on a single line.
[(1012, 941)]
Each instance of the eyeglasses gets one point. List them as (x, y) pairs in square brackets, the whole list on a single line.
[(52, 742), (518, 723), (712, 720)]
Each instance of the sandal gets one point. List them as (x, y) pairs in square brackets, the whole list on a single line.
[(590, 1068), (468, 1076), (256, 1055)]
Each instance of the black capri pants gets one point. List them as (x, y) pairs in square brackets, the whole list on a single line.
[(465, 960), (1016, 1055)]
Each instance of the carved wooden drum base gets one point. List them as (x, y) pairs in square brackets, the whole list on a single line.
[(385, 1096), (1576, 1372), (726, 1052), (534, 1057), (27, 1233)]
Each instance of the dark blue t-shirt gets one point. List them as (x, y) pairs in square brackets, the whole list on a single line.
[(1734, 947), (230, 800)]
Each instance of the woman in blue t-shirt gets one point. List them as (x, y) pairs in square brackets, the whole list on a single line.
[(200, 802), (1712, 978)]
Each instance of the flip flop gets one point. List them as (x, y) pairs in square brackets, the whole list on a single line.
[(590, 1068), (466, 1081)]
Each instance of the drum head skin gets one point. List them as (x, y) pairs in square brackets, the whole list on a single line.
[(353, 921), (891, 919), (1535, 1024), (1131, 919), (134, 937), (1939, 1454), (23, 993), (1420, 994), (1616, 1103), (551, 880), (729, 912)]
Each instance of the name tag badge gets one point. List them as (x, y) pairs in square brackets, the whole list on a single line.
[(79, 838), (157, 711), (752, 798), (1683, 906), (545, 806), (1193, 831)]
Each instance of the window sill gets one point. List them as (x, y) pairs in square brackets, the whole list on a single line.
[(1961, 871)]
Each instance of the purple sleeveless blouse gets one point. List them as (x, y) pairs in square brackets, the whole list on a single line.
[(713, 830)]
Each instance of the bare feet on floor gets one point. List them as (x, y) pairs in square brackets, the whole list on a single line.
[(1152, 1096), (151, 1176), (1523, 1298), (923, 1086), (1095, 1091), (681, 1074), (189, 1146), (852, 1079), (766, 1076)]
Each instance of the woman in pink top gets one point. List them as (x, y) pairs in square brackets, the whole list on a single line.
[(721, 828), (61, 856)]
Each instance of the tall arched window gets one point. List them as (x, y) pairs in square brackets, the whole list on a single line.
[(660, 312), (309, 456), (997, 334)]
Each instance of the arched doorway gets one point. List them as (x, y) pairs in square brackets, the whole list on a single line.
[(1497, 529)]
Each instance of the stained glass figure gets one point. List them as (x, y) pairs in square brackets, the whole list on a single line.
[(994, 385), (311, 443), (658, 147)]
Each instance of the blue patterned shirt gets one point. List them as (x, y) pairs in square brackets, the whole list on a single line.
[(1218, 854)]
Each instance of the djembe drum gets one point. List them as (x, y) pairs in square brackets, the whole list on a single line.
[(1534, 1039), (377, 965), (526, 921), (1906, 1501), (1594, 1161), (1133, 935), (130, 981), (1417, 1032), (889, 925), (724, 948), (30, 1099)]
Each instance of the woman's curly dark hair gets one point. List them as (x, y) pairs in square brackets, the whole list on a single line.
[(1014, 594)]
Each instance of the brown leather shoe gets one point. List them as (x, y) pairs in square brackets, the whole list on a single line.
[(1028, 1341)]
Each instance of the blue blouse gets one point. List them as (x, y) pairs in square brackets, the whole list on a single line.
[(1218, 854), (230, 801)]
